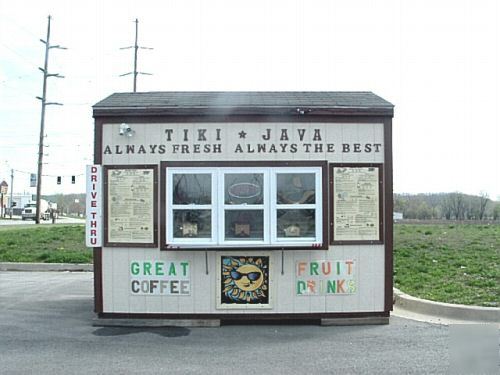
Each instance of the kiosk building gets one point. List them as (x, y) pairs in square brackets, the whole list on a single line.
[(242, 205)]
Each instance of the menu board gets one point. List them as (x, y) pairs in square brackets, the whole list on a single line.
[(131, 205), (356, 203)]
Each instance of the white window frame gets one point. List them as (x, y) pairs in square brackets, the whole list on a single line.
[(169, 219), (223, 206), (317, 206), (270, 208)]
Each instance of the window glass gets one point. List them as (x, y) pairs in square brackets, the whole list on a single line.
[(295, 188), (247, 206), (244, 225), (191, 188), (296, 223), (192, 223), (241, 188)]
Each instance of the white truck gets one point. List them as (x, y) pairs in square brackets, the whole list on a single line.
[(46, 209)]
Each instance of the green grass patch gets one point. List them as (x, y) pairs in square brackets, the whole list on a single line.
[(449, 263), (44, 244)]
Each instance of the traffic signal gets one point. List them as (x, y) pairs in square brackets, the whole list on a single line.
[(59, 180), (73, 179)]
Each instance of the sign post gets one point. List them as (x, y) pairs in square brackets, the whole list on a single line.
[(4, 188), (93, 227)]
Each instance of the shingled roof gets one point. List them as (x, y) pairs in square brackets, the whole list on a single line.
[(243, 103)]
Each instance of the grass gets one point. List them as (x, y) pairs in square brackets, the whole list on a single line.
[(44, 244), (455, 263)]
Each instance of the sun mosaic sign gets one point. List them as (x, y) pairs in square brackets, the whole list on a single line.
[(244, 281)]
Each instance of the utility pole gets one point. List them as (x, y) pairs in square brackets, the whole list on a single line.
[(11, 191), (136, 48), (42, 120)]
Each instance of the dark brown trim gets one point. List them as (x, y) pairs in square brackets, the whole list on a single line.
[(98, 141), (381, 203), (243, 163), (217, 164), (153, 244), (151, 119), (245, 317), (98, 303), (388, 219), (163, 205), (326, 196)]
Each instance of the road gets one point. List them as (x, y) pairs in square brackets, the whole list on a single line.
[(61, 220), (46, 328)]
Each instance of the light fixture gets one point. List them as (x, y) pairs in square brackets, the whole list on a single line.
[(125, 129)]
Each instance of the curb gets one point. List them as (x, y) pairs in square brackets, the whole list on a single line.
[(446, 310), (46, 267)]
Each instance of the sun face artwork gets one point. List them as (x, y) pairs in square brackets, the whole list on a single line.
[(244, 280)]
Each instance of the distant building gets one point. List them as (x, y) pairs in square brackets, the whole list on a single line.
[(20, 200)]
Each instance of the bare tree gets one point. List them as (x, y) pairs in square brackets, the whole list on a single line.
[(483, 202), (456, 203), (496, 212)]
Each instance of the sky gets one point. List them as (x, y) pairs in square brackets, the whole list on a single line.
[(436, 61)]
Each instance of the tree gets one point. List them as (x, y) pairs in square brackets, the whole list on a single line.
[(496, 212), (454, 206), (483, 202)]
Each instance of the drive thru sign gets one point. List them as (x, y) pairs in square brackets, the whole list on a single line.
[(93, 227)]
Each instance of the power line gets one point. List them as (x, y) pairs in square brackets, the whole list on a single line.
[(136, 48), (18, 25), (24, 59)]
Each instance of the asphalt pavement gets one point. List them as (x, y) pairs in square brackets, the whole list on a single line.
[(16, 220), (46, 328)]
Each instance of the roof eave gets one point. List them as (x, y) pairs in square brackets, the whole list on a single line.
[(242, 111)]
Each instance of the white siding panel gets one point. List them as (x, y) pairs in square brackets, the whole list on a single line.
[(378, 277), (120, 276), (366, 285), (107, 281), (285, 284), (154, 134), (203, 298), (369, 272), (369, 259)]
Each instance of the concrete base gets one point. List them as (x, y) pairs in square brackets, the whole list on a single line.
[(355, 321), (154, 323)]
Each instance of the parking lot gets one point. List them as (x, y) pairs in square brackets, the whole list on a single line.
[(46, 325)]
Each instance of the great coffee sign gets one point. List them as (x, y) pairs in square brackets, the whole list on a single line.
[(160, 278), (245, 140)]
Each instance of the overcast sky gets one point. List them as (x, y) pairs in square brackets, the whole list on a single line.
[(436, 60)]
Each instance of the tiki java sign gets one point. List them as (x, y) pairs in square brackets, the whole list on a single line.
[(93, 227), (245, 140)]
